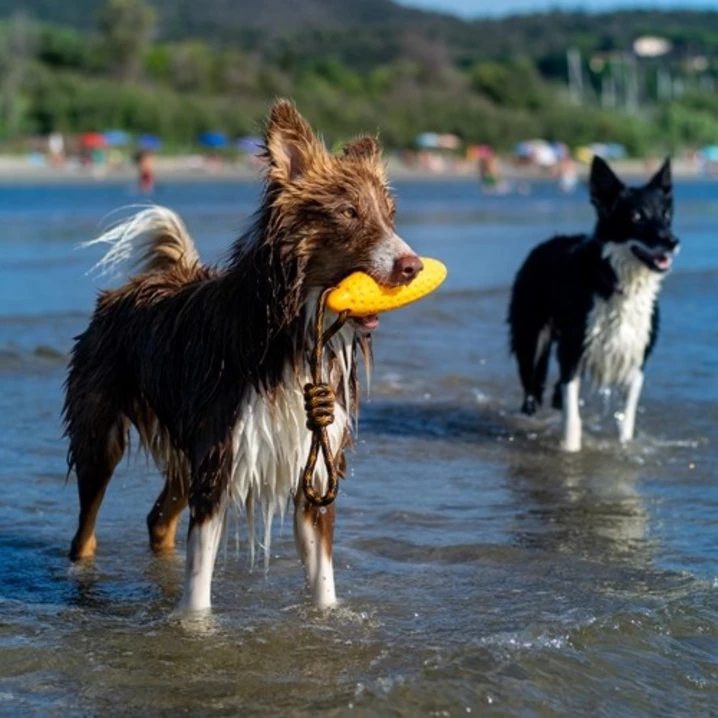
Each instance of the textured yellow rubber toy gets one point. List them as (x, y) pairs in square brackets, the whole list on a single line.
[(362, 296)]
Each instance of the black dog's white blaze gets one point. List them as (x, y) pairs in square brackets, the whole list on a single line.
[(618, 328)]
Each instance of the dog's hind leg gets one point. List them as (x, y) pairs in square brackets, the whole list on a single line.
[(540, 367), (163, 519), (314, 536), (94, 461)]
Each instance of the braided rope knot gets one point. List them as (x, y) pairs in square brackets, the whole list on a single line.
[(319, 405)]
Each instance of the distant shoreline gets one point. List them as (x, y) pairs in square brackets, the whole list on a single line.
[(19, 170)]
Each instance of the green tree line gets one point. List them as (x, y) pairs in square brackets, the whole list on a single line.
[(121, 72)]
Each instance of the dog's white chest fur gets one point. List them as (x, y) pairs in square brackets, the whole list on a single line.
[(270, 440), (618, 329)]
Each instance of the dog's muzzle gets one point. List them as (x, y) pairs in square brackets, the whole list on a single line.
[(659, 257)]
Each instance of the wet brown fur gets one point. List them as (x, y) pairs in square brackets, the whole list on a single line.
[(174, 351)]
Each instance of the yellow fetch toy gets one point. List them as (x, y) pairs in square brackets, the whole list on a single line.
[(362, 296)]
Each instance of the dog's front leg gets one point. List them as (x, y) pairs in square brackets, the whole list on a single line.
[(208, 499), (627, 425), (202, 546), (571, 415), (314, 536)]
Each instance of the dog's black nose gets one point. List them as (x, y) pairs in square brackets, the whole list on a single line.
[(406, 268), (671, 241)]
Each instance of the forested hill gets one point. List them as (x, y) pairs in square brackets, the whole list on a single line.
[(367, 32), (212, 19)]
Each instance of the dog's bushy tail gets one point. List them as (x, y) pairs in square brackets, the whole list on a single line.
[(152, 240)]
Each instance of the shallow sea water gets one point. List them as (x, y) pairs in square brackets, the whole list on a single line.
[(480, 571)]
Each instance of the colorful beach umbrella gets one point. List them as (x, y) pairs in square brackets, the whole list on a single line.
[(436, 141), (709, 153), (215, 140), (523, 149), (93, 140), (116, 138), (149, 142)]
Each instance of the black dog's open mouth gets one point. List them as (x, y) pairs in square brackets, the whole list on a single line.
[(660, 261)]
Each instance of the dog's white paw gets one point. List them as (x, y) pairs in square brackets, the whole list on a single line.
[(571, 446)]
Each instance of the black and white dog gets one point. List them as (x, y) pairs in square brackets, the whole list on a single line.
[(596, 297)]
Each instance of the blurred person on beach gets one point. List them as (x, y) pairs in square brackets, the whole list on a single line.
[(56, 149), (490, 172), (488, 167), (145, 171), (567, 174)]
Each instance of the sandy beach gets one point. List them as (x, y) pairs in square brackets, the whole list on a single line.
[(24, 169)]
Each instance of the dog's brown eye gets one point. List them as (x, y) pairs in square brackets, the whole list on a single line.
[(350, 213)]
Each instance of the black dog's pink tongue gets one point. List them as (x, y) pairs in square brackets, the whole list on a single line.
[(664, 261)]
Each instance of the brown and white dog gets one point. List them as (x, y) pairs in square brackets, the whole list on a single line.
[(209, 364)]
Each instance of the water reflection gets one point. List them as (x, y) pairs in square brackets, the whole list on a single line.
[(588, 506)]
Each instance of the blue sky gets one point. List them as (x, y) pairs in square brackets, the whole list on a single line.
[(501, 7)]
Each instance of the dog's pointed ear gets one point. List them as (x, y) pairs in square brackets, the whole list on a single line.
[(605, 186), (363, 148), (663, 179), (291, 144)]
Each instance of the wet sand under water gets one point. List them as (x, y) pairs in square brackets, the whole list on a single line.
[(479, 569)]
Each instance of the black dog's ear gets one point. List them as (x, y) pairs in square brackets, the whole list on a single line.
[(663, 180), (605, 186)]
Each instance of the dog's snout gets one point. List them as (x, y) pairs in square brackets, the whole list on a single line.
[(406, 269), (668, 240), (393, 262)]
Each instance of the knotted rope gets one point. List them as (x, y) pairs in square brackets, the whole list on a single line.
[(319, 407)]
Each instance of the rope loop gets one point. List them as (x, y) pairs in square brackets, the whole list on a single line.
[(319, 399)]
